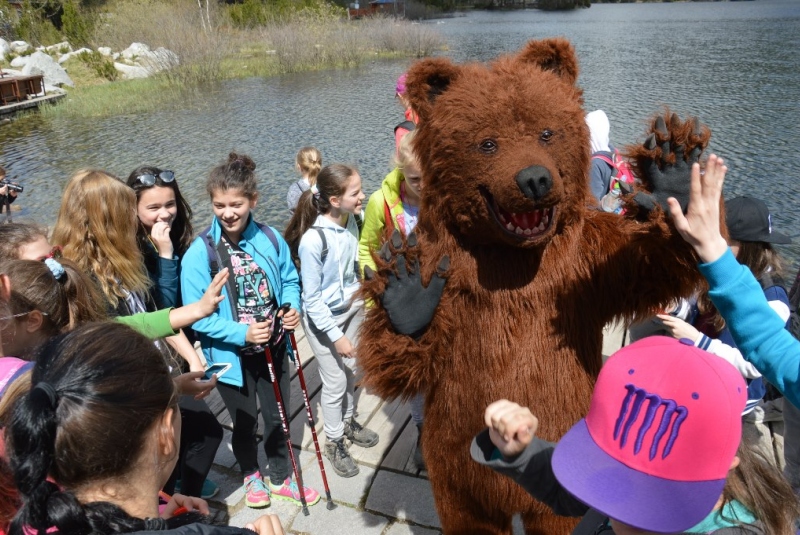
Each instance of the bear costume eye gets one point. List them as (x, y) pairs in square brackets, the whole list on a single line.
[(546, 135), (488, 146)]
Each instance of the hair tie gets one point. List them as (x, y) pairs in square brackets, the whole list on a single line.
[(55, 268), (49, 391), (155, 524), (315, 191)]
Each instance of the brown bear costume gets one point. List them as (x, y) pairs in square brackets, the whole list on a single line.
[(536, 270)]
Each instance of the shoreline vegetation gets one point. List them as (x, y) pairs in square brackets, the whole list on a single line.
[(213, 42)]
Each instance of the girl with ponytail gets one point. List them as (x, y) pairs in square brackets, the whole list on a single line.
[(324, 234), (102, 397), (308, 162)]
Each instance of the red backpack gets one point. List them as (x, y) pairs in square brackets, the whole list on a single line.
[(621, 171)]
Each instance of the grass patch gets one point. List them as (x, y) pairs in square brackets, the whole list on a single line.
[(117, 98)]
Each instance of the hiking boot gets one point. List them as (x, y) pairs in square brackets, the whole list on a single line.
[(419, 460), (288, 491), (337, 454), (256, 491), (359, 435)]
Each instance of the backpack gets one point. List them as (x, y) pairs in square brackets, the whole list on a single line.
[(211, 247), (621, 172)]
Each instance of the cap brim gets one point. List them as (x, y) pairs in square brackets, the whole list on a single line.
[(777, 237), (627, 495)]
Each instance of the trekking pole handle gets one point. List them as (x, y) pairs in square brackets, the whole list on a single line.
[(285, 308)]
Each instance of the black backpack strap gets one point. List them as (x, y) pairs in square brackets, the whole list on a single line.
[(266, 229), (324, 254), (408, 125), (211, 251)]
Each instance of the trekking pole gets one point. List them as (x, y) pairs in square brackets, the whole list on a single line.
[(285, 425), (301, 377)]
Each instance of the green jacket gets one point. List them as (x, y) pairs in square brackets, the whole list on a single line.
[(375, 216), (151, 324)]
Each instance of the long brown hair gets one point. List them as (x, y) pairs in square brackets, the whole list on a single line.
[(759, 486), (69, 300), (96, 226), (760, 258)]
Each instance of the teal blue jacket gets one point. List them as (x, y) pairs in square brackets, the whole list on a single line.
[(221, 337)]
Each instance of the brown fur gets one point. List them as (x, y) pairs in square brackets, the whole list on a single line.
[(520, 320)]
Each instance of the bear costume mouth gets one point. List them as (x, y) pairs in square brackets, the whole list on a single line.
[(526, 225)]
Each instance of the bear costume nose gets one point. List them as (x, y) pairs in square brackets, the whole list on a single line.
[(534, 181)]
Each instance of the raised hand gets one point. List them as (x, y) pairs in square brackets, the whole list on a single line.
[(159, 234), (665, 163), (409, 304), (511, 427)]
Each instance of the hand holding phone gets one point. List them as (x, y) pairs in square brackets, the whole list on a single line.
[(215, 369)]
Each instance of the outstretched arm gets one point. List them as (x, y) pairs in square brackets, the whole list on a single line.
[(757, 330)]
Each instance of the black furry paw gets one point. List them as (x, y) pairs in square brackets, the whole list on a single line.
[(667, 169), (409, 304)]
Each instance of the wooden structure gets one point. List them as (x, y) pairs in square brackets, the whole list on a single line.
[(395, 8), (20, 88)]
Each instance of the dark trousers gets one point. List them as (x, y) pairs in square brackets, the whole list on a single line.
[(201, 434), (241, 404)]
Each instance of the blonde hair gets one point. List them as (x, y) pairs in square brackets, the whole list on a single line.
[(404, 156), (96, 226), (309, 162)]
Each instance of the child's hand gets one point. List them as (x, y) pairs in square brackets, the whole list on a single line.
[(345, 348), (291, 319), (187, 384), (160, 236), (260, 332), (700, 226), (266, 525), (511, 427), (213, 295), (188, 503), (678, 328)]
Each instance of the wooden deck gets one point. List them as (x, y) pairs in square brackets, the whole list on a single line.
[(391, 420), (15, 107)]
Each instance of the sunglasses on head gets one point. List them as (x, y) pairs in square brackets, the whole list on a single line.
[(149, 179)]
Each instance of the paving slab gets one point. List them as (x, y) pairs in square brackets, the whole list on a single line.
[(224, 456), (341, 521), (403, 497), (285, 511), (387, 421), (350, 491), (231, 493)]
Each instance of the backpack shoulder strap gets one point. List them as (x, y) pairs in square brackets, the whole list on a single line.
[(211, 251), (324, 254), (266, 229), (387, 215), (604, 158), (408, 125)]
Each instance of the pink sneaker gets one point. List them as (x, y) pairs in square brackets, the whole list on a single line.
[(289, 492), (256, 492)]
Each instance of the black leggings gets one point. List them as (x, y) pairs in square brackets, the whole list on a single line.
[(201, 434), (241, 404)]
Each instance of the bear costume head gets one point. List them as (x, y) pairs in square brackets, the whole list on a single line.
[(528, 150)]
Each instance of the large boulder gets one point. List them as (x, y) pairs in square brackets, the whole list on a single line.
[(154, 61), (131, 71), (5, 49), (19, 47), (105, 50), (135, 51), (60, 48), (19, 61), (54, 74)]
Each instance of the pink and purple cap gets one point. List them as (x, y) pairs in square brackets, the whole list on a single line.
[(662, 431), (400, 86)]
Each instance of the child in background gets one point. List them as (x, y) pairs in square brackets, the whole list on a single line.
[(324, 233), (308, 162), (395, 206), (164, 232), (263, 278), (411, 118)]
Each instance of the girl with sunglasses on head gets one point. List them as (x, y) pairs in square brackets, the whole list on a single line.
[(164, 231), (97, 228), (240, 333)]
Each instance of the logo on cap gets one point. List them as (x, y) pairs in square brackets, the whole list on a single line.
[(629, 413)]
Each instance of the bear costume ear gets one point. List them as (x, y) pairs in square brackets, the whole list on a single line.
[(556, 55), (426, 80)]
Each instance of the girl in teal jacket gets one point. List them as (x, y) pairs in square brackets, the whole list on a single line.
[(262, 278)]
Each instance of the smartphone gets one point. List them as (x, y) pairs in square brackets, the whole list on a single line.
[(215, 369)]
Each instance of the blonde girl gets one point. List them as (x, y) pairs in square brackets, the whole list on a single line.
[(308, 162)]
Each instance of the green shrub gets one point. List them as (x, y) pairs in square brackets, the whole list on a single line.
[(101, 65), (77, 24), (34, 27)]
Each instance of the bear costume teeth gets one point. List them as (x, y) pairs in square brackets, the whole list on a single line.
[(525, 224)]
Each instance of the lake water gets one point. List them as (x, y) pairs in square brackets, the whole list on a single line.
[(736, 65)]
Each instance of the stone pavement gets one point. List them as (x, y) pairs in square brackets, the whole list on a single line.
[(388, 497)]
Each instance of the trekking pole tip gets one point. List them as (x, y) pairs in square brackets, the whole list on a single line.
[(331, 506), (305, 511)]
